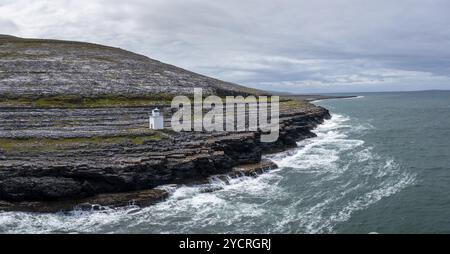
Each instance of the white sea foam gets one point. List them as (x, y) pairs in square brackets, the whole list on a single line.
[(346, 177), (317, 186)]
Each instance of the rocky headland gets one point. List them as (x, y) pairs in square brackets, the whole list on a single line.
[(74, 128)]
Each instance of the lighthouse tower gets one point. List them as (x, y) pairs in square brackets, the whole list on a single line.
[(156, 120)]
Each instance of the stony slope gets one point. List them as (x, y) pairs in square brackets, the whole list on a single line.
[(58, 149), (35, 68)]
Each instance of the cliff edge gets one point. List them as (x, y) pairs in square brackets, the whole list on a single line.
[(74, 127)]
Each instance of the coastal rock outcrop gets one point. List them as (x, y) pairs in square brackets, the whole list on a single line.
[(74, 128)]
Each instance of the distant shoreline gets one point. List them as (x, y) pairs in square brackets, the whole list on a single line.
[(339, 98), (313, 98)]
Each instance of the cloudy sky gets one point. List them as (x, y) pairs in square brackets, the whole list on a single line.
[(283, 45)]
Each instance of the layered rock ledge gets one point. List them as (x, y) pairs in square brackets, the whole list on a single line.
[(73, 154), (74, 128)]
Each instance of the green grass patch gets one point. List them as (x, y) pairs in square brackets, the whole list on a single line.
[(74, 101), (293, 104), (50, 144)]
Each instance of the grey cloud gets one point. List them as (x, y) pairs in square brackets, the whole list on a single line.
[(7, 26), (287, 44)]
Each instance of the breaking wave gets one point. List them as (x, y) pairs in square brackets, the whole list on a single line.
[(345, 176), (318, 185)]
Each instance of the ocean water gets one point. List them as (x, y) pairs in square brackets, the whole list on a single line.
[(381, 164)]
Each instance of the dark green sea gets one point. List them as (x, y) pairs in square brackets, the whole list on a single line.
[(381, 164)]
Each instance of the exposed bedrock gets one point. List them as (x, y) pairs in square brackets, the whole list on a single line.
[(74, 127), (58, 175)]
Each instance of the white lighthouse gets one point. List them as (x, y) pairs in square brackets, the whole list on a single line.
[(156, 120)]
